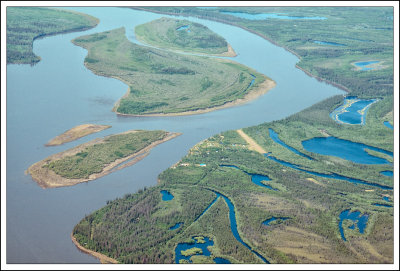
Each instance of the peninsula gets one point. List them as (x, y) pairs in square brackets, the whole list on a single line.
[(76, 133)]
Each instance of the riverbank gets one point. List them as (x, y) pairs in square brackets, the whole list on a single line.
[(103, 258), (76, 133), (47, 178)]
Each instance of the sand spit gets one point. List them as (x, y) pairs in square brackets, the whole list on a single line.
[(76, 133)]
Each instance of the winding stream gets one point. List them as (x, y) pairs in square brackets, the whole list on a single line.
[(59, 93)]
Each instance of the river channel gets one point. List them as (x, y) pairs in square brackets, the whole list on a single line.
[(59, 93)]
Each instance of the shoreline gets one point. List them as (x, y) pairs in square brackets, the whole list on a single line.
[(103, 258), (47, 178), (260, 90), (75, 133)]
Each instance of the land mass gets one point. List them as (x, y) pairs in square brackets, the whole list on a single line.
[(96, 158), (25, 24), (76, 133), (183, 35), (167, 83)]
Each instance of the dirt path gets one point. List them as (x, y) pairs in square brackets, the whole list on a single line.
[(253, 145)]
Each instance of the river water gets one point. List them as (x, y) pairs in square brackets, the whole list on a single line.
[(59, 93)]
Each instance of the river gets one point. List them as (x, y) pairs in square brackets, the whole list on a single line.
[(59, 93)]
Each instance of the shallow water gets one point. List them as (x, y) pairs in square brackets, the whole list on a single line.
[(185, 246), (269, 220), (328, 43), (176, 226), (365, 65), (387, 124), (59, 93), (388, 173), (353, 114), (274, 136), (255, 178), (264, 16), (356, 217), (166, 196)]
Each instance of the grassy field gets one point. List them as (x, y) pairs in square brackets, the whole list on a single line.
[(25, 24), (182, 35), (311, 204), (165, 82)]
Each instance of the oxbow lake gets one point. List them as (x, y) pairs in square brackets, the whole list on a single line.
[(59, 93)]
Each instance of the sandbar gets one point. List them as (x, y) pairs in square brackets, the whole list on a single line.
[(76, 133)]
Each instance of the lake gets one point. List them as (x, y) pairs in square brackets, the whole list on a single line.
[(353, 111), (59, 93)]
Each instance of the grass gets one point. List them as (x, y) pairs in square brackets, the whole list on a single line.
[(25, 24), (196, 38), (165, 82)]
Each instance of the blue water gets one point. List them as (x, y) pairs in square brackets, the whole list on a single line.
[(184, 27), (328, 43), (331, 176), (232, 218), (388, 173), (386, 199), (355, 113), (382, 205), (266, 222), (264, 16), (354, 216), (345, 149), (166, 196), (221, 261), (364, 65), (176, 226), (274, 136), (255, 178), (184, 246), (387, 124)]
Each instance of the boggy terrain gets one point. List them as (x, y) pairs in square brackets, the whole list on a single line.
[(311, 205), (183, 35), (96, 158), (25, 24), (167, 83)]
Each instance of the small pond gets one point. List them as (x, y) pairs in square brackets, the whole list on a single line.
[(278, 219), (382, 205), (387, 124), (356, 217), (353, 111), (264, 16), (386, 199), (166, 196), (221, 261), (255, 178), (183, 27), (365, 65), (388, 173), (330, 176), (328, 43), (176, 226), (274, 136), (351, 151)]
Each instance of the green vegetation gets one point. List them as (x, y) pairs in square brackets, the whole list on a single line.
[(94, 158), (165, 82), (192, 251), (25, 24), (312, 204), (181, 35)]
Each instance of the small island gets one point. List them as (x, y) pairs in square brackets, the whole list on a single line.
[(76, 133), (183, 35), (96, 158), (164, 83)]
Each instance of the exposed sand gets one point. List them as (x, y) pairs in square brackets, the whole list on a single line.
[(75, 133), (263, 88), (252, 144), (103, 258), (47, 178)]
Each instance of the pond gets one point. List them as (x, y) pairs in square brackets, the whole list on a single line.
[(353, 111), (345, 149), (388, 173), (328, 43), (176, 226), (382, 205), (356, 217), (387, 124), (255, 178), (277, 219), (221, 261), (274, 136), (366, 65), (201, 244), (183, 27), (264, 16), (166, 196)]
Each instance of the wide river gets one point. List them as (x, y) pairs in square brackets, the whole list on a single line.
[(59, 93)]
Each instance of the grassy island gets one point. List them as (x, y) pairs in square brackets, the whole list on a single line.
[(183, 35), (76, 133), (166, 83), (96, 158), (25, 24)]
